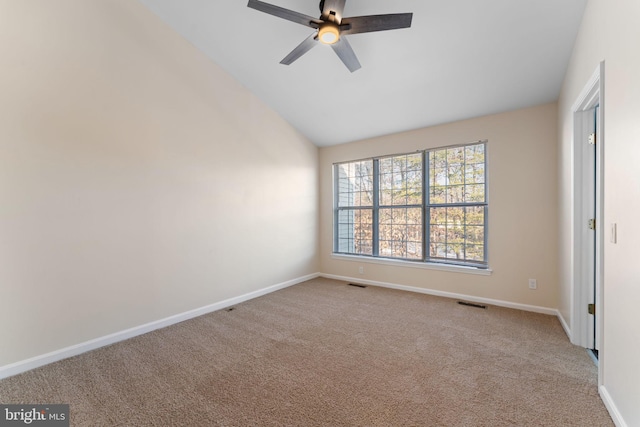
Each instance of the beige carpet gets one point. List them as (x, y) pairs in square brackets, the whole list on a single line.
[(325, 353)]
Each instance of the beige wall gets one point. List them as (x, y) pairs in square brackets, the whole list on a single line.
[(522, 159), (610, 33), (137, 179)]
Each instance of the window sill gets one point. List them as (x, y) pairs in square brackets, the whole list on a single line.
[(422, 265)]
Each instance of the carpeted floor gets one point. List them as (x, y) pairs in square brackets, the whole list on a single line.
[(325, 353)]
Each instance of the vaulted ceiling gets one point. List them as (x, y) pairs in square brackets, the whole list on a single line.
[(460, 59)]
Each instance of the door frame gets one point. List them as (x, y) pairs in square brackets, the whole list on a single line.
[(591, 95)]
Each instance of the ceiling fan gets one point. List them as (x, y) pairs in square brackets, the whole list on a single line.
[(332, 28)]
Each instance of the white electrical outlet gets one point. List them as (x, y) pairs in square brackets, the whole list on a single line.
[(533, 284), (361, 270)]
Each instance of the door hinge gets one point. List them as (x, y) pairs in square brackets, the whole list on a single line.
[(591, 308), (592, 139), (592, 224)]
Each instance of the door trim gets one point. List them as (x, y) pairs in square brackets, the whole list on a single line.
[(591, 95)]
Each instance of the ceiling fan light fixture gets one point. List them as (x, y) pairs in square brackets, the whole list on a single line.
[(332, 29), (329, 33)]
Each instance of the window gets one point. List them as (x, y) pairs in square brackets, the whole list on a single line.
[(400, 206), (428, 206), (355, 208)]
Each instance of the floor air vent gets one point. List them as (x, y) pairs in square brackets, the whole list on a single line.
[(357, 285), (470, 304)]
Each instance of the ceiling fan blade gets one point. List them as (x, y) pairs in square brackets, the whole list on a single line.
[(283, 13), (333, 7), (368, 24), (302, 48), (345, 52)]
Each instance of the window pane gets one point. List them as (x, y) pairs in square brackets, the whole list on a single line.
[(355, 184), (455, 155), (457, 233), (438, 176), (458, 172), (414, 187), (474, 153), (438, 250), (474, 193), (475, 253), (474, 235), (455, 194), (438, 159), (474, 173), (455, 251), (437, 194), (455, 216), (386, 188), (475, 215), (355, 231), (401, 180), (438, 216), (400, 233)]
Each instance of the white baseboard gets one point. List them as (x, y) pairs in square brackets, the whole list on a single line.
[(611, 407), (74, 350), (500, 303), (564, 324)]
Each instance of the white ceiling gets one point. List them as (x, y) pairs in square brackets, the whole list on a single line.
[(460, 59)]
